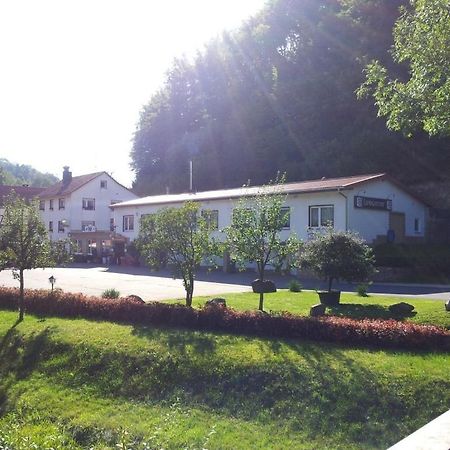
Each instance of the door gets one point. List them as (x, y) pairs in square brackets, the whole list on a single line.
[(397, 224)]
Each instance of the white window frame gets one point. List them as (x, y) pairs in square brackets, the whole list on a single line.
[(417, 225), (88, 204), (128, 222), (103, 184), (60, 226), (50, 226), (286, 212), (61, 203), (319, 216), (50, 205), (41, 205)]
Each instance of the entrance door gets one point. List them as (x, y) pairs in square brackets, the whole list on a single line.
[(397, 223)]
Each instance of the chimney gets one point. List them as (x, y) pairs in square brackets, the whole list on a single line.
[(67, 175)]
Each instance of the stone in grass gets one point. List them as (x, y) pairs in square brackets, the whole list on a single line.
[(401, 308), (263, 287), (317, 310), (135, 298), (221, 302), (447, 305)]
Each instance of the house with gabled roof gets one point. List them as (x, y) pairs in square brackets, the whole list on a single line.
[(376, 206), (78, 207)]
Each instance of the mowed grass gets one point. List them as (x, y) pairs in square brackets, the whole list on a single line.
[(72, 384), (426, 311)]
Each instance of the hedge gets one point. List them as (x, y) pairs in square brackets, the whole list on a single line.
[(373, 333)]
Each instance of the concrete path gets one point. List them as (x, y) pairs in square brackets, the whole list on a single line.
[(93, 280)]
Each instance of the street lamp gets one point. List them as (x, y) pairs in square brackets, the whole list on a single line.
[(52, 281)]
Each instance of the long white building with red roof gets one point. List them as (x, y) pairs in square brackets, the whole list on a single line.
[(376, 206)]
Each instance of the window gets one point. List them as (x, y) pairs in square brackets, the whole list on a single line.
[(111, 224), (88, 225), (211, 217), (417, 228), (128, 223), (61, 203), (51, 205), (50, 225), (103, 184), (89, 204), (286, 215), (92, 246), (77, 246), (42, 205), (60, 226), (321, 216)]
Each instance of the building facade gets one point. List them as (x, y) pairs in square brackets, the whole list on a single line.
[(79, 208), (375, 206)]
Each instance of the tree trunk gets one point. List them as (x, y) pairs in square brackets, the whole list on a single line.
[(21, 302), (189, 291), (261, 294)]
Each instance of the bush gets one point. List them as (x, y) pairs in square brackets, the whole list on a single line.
[(295, 286), (111, 293), (374, 333), (335, 255), (361, 290)]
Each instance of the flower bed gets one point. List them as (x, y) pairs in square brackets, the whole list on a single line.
[(375, 333)]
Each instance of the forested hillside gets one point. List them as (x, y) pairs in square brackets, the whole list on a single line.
[(18, 174), (279, 95)]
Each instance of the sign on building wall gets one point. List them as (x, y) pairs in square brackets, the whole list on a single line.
[(373, 203)]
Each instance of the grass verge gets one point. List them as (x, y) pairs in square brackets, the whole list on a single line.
[(84, 384)]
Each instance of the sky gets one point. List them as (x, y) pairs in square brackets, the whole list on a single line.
[(74, 75)]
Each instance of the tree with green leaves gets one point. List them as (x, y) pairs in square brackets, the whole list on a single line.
[(254, 235), (422, 42), (179, 238), (335, 255), (24, 242)]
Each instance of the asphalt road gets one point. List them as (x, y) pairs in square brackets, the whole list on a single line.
[(93, 280)]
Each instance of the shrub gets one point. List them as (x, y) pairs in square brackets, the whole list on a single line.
[(375, 333), (361, 290), (111, 293), (295, 286), (335, 255)]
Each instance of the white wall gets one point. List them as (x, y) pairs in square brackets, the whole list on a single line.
[(74, 213)]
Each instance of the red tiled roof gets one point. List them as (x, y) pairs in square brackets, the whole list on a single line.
[(324, 184), (25, 192), (60, 189)]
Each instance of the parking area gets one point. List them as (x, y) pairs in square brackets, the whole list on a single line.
[(93, 280)]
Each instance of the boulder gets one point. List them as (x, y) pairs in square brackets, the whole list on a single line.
[(447, 305), (401, 308), (135, 298), (263, 287), (217, 302), (317, 310)]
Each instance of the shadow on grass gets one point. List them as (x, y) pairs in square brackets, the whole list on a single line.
[(370, 311)]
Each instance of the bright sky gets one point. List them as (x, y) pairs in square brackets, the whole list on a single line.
[(74, 75)]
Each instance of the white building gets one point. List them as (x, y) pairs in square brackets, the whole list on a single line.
[(375, 206), (79, 208)]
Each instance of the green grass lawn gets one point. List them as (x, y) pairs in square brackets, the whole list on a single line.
[(76, 384), (373, 307)]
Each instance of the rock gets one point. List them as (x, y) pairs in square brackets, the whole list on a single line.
[(447, 305), (264, 287), (217, 302), (317, 310), (135, 298), (401, 308)]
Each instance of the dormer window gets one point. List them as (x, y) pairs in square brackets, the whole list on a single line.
[(103, 184), (89, 204)]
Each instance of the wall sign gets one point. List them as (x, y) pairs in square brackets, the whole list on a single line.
[(373, 203)]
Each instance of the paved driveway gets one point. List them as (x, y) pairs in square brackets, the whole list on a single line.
[(93, 280)]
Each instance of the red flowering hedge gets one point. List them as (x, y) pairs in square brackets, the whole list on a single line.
[(377, 333)]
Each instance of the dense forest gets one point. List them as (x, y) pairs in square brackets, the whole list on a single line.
[(278, 94), (19, 174)]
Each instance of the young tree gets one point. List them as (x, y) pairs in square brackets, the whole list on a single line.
[(254, 233), (335, 255), (422, 41), (178, 237), (24, 242)]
